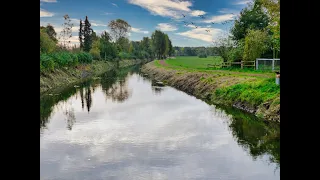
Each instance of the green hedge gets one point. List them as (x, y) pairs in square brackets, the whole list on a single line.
[(48, 62)]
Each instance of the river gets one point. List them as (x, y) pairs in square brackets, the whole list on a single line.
[(122, 127)]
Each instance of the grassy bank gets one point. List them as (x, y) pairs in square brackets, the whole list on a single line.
[(69, 75), (251, 91)]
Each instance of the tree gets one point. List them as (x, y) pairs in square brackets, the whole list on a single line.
[(95, 50), (81, 35), (119, 29), (273, 11), (47, 45), (158, 43), (123, 44), (51, 32), (131, 48), (224, 45), (87, 35), (255, 44), (251, 17), (107, 49), (66, 33)]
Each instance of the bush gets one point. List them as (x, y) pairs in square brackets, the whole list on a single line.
[(124, 55), (84, 57), (202, 55), (46, 63), (95, 54)]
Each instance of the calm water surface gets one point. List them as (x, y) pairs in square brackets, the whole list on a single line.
[(122, 127)]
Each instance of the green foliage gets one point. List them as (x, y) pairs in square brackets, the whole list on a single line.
[(47, 45), (84, 57), (124, 55), (253, 93), (87, 35), (95, 50), (202, 55), (235, 53), (46, 63), (252, 17), (256, 43)]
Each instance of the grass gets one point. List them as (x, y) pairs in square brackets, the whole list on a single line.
[(229, 85), (193, 62), (253, 93)]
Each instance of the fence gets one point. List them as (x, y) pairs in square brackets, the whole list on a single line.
[(268, 64)]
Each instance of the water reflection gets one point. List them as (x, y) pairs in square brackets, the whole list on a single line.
[(113, 84), (131, 133), (256, 136)]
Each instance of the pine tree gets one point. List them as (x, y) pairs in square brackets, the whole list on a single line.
[(81, 35), (87, 34)]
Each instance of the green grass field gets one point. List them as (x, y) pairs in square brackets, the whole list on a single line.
[(193, 62)]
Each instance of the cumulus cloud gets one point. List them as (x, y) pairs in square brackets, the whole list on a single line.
[(197, 13), (220, 18), (166, 27), (44, 13), (166, 8), (200, 33), (138, 30)]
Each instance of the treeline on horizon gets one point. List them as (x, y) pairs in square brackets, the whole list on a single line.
[(112, 46), (255, 34)]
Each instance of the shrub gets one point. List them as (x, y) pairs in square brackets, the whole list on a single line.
[(84, 57), (46, 62), (202, 55)]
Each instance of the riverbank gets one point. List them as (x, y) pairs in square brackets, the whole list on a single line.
[(67, 76), (256, 93)]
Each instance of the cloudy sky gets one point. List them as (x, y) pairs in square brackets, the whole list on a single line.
[(147, 15)]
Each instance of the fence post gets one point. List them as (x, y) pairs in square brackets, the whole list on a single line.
[(257, 64), (241, 64), (272, 64)]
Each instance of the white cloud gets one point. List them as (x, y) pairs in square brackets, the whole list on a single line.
[(96, 24), (165, 8), (138, 30), (44, 13), (114, 4), (201, 34), (241, 2), (197, 13), (220, 18), (166, 27), (49, 1)]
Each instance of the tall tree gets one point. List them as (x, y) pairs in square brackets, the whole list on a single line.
[(87, 34), (81, 35), (273, 11), (119, 29), (66, 32), (255, 44), (251, 17)]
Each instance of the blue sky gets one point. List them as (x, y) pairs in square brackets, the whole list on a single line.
[(145, 16)]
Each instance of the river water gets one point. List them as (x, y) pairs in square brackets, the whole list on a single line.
[(122, 127)]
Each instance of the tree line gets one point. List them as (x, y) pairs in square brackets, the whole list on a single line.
[(255, 34), (114, 45)]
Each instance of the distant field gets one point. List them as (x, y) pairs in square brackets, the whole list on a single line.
[(193, 61)]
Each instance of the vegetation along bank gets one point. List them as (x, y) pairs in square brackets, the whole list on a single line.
[(254, 92)]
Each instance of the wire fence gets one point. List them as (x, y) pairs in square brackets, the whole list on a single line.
[(268, 64)]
